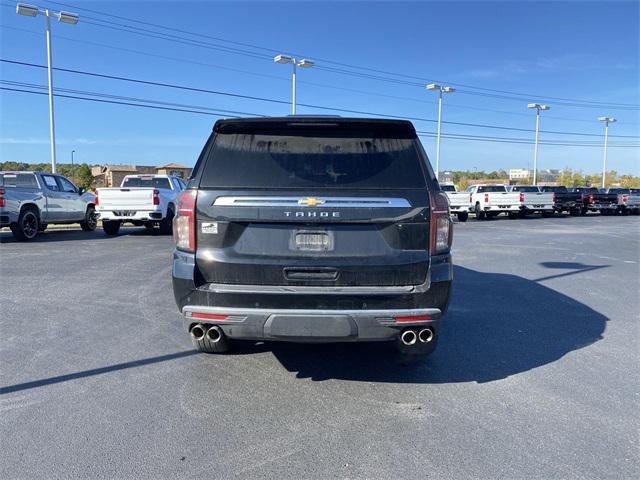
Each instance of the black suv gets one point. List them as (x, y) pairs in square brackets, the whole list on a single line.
[(313, 229)]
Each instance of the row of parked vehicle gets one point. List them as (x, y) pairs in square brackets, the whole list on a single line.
[(517, 201), (30, 201)]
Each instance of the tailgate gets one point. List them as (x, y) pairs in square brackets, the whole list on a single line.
[(251, 239), (502, 198), (126, 198)]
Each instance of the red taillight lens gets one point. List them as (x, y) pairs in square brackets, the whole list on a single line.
[(590, 198), (184, 223), (625, 198), (553, 198), (1, 197), (208, 316), (156, 197), (416, 318), (521, 197), (96, 201), (486, 198), (581, 197), (441, 226)]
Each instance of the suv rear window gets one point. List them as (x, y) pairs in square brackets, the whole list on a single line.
[(526, 189), (242, 160), (146, 183), (22, 180), (447, 188)]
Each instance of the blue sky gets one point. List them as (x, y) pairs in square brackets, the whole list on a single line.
[(574, 50)]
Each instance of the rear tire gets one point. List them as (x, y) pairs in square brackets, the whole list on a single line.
[(26, 228), (111, 227), (513, 215), (480, 214), (90, 221), (574, 212), (547, 214), (223, 345), (463, 216), (166, 225)]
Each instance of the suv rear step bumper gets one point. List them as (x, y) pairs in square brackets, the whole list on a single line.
[(311, 325)]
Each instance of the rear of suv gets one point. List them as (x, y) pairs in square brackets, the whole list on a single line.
[(313, 229)]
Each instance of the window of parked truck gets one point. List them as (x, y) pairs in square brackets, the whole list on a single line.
[(448, 188), (67, 186), (50, 182), (239, 160), (492, 189), (20, 180), (146, 182), (526, 189)]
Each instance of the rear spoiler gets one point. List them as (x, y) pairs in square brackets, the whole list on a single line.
[(327, 126)]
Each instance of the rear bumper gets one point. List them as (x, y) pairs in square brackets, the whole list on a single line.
[(7, 218), (132, 215), (311, 314), (319, 326)]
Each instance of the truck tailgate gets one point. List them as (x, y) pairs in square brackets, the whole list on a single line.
[(126, 198)]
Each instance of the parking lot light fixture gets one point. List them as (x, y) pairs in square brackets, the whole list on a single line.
[(440, 90), (538, 107), (606, 121), (304, 63), (63, 17)]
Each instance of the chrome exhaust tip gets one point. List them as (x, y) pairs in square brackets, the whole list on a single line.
[(408, 337), (214, 334), (426, 335), (197, 332)]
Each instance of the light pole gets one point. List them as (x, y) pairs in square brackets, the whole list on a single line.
[(72, 152), (64, 17), (440, 90), (304, 63), (606, 121), (538, 107)]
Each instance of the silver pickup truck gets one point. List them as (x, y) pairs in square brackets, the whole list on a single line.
[(29, 201)]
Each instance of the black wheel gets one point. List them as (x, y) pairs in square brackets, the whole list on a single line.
[(42, 227), (166, 225), (209, 339), (463, 216), (149, 226), (584, 211), (90, 221), (492, 215), (111, 227), (514, 215), (574, 212), (480, 214), (26, 228), (547, 214)]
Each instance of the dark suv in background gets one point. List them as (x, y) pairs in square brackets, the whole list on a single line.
[(313, 229)]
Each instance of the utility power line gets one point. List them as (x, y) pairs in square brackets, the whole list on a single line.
[(285, 102), (195, 109), (359, 68)]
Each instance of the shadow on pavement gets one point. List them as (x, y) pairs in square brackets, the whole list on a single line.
[(62, 235), (498, 325), (576, 267)]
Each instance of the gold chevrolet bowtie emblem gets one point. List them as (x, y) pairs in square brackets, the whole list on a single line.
[(310, 201)]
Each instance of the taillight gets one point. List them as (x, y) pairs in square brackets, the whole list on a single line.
[(553, 198), (625, 198), (521, 197), (486, 198), (1, 197), (471, 198), (582, 197), (97, 199), (184, 223), (590, 198), (156, 197), (415, 318), (441, 226)]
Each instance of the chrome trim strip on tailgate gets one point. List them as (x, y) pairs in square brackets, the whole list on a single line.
[(354, 202)]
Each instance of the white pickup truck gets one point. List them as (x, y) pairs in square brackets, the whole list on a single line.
[(459, 202), (147, 200), (489, 201), (533, 200)]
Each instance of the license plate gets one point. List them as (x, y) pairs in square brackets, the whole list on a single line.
[(125, 213), (314, 241), (537, 206)]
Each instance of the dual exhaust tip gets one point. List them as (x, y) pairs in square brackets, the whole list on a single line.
[(412, 336), (212, 333)]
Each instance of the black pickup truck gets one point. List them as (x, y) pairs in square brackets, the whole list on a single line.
[(313, 229), (593, 201), (564, 200)]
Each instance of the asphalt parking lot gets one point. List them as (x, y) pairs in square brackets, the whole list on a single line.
[(535, 376)]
